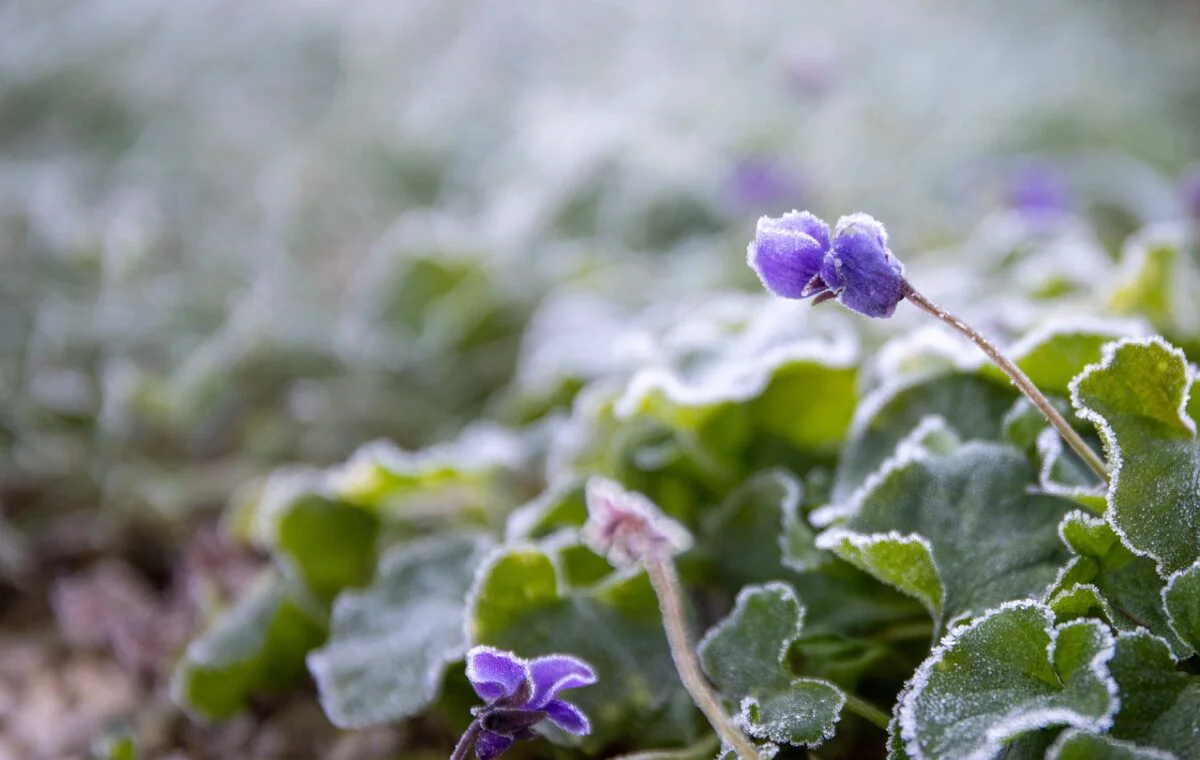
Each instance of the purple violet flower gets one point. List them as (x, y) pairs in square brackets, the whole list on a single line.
[(1189, 190), (1039, 192), (795, 258), (520, 694), (627, 528), (760, 183)]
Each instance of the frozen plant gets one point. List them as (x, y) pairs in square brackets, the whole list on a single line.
[(795, 258), (519, 694), (628, 529)]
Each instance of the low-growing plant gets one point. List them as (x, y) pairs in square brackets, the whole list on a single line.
[(762, 540)]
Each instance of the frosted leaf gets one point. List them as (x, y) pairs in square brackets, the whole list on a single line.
[(932, 435), (1160, 703), (1157, 279), (972, 406), (1126, 585), (384, 476), (967, 518), (905, 562), (1181, 597), (521, 601), (559, 506), (808, 382), (757, 533), (1074, 744), (1064, 474), (258, 645), (1057, 350), (391, 642), (1008, 673), (1137, 398), (745, 656)]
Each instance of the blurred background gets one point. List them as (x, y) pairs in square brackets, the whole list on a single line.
[(235, 235)]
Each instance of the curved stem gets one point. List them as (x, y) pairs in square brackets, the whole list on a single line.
[(463, 748), (865, 709), (1019, 378), (666, 586)]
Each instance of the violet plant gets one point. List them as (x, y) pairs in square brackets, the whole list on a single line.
[(761, 539), (795, 258), (520, 694)]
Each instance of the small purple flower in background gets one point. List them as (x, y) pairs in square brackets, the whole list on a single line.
[(520, 694), (1189, 191), (628, 528), (761, 183), (795, 258), (1039, 192)]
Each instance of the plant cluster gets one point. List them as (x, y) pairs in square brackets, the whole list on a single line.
[(761, 529)]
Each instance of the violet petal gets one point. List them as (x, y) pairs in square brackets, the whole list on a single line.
[(557, 673), (568, 717), (489, 746), (786, 252), (494, 673), (861, 269)]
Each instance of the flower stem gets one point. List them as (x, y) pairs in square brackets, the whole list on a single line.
[(1019, 378), (865, 709), (463, 748), (666, 586)]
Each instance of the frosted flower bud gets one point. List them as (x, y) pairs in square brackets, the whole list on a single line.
[(795, 258), (860, 269), (627, 528), (786, 254)]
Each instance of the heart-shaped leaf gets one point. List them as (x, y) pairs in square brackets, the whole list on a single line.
[(390, 642), (745, 655), (1008, 673), (1137, 398)]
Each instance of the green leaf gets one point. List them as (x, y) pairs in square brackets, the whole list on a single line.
[(327, 543), (757, 531), (966, 518), (258, 645), (802, 391), (1127, 586), (559, 507), (1160, 706), (1074, 744), (1053, 356), (1008, 673), (745, 655), (444, 478), (1182, 600), (390, 643), (905, 562), (807, 403), (1156, 281), (1136, 397), (520, 602), (971, 405)]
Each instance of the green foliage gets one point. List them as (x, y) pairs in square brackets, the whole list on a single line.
[(1007, 674), (1137, 398), (1125, 586), (745, 655), (1160, 704), (520, 602), (390, 643), (257, 646), (959, 532)]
